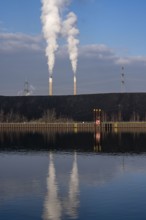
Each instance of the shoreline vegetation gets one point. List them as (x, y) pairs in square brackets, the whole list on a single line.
[(48, 116), (114, 107)]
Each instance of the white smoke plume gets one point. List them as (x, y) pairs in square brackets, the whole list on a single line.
[(53, 27), (51, 21), (70, 31)]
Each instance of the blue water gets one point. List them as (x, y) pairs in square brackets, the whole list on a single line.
[(61, 185)]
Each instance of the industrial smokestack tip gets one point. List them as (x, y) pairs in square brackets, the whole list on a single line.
[(75, 79), (75, 85), (50, 79), (50, 86)]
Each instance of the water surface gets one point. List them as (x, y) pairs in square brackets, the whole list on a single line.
[(72, 176)]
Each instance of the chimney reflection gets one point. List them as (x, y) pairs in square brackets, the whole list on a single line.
[(73, 200), (52, 205), (55, 207)]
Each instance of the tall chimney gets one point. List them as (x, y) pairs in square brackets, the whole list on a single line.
[(50, 86), (75, 85)]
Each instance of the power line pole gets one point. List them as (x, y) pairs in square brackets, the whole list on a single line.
[(123, 88), (26, 88)]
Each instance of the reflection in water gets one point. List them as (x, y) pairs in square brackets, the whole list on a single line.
[(97, 139), (112, 180), (54, 206), (73, 201)]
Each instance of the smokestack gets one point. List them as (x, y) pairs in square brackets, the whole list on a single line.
[(50, 86), (75, 85), (53, 27)]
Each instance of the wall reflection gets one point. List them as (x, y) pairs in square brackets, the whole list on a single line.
[(98, 141), (55, 206)]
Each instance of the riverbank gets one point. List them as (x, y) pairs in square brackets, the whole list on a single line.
[(74, 126)]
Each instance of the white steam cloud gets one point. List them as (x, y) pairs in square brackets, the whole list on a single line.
[(51, 28), (54, 27), (71, 32)]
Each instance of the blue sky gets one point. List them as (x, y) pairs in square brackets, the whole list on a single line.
[(117, 23), (112, 35)]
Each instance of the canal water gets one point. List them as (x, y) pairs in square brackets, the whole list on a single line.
[(62, 176)]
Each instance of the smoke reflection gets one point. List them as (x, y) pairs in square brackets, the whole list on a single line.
[(73, 200), (54, 206)]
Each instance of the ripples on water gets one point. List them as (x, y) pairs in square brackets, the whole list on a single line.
[(53, 176)]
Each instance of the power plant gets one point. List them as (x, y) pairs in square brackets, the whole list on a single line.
[(51, 85), (55, 26)]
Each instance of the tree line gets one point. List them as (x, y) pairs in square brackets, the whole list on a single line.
[(48, 116)]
